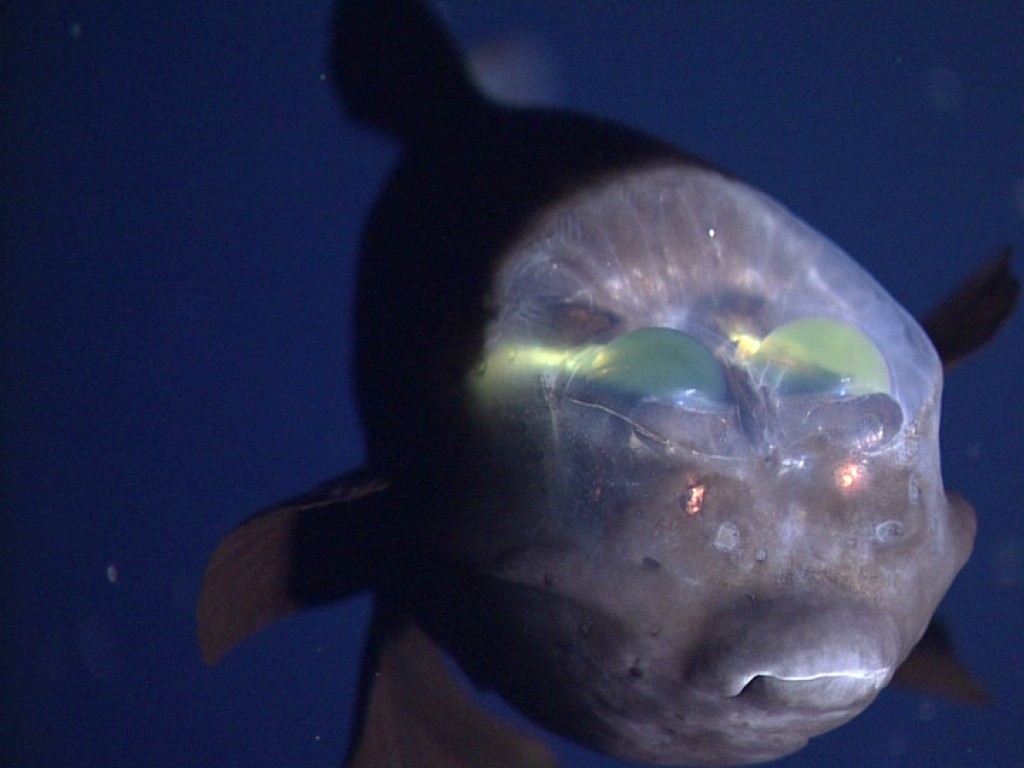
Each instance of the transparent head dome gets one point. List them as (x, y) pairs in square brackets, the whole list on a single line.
[(685, 248)]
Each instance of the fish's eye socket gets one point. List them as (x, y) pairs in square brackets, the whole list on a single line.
[(576, 324), (653, 364), (819, 355)]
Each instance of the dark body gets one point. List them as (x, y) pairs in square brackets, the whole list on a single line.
[(707, 564)]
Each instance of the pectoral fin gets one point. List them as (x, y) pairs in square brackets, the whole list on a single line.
[(969, 317), (310, 550), (934, 669), (417, 715)]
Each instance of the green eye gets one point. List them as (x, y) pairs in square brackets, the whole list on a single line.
[(817, 355), (655, 364)]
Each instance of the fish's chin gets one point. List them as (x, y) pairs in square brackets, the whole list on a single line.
[(744, 730), (763, 683), (774, 717), (767, 720), (771, 679), (756, 683)]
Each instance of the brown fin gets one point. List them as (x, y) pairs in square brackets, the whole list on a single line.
[(244, 583), (969, 317), (933, 669), (419, 716), (309, 550)]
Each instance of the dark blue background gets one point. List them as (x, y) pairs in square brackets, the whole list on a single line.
[(181, 208)]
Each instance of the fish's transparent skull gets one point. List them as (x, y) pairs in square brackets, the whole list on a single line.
[(722, 472)]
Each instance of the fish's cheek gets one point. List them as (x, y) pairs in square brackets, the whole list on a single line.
[(750, 531), (963, 526), (767, 532), (889, 540), (728, 527), (850, 523)]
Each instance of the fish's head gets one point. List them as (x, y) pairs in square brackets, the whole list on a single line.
[(707, 490)]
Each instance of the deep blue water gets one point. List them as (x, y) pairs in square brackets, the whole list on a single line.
[(181, 208)]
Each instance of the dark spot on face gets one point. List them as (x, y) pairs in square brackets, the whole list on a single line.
[(635, 672), (578, 324), (548, 580), (650, 564)]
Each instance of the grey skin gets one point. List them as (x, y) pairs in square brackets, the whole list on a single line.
[(690, 555), (778, 605)]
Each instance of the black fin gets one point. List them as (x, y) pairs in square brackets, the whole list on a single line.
[(397, 69), (969, 317), (417, 715), (934, 669), (313, 549)]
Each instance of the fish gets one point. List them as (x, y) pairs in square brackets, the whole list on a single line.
[(647, 455)]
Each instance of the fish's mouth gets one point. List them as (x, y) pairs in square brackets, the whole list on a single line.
[(829, 691), (767, 716), (789, 658)]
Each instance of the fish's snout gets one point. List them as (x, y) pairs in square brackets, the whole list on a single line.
[(805, 657)]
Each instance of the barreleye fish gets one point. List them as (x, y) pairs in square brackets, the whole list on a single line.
[(647, 455)]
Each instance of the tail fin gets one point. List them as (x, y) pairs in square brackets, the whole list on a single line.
[(310, 550), (397, 69)]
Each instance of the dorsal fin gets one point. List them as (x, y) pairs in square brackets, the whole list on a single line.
[(397, 69), (417, 715)]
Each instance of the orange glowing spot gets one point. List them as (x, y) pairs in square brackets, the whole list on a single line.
[(693, 498), (849, 475)]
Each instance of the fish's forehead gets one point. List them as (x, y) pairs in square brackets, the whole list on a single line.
[(682, 246)]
